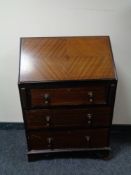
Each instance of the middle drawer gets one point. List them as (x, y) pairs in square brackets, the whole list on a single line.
[(57, 118)]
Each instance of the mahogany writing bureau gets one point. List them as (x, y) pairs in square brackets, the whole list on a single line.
[(67, 88)]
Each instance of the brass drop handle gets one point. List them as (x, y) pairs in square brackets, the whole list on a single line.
[(49, 141), (48, 119), (89, 116), (87, 138), (46, 98), (91, 100), (90, 95), (89, 122)]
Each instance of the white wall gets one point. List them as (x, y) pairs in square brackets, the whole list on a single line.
[(19, 18)]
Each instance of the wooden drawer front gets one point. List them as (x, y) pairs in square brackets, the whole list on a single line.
[(68, 139), (37, 119), (69, 96), (92, 117)]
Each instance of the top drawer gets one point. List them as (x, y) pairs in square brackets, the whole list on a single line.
[(67, 96)]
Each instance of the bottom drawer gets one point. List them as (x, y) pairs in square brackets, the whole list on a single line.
[(91, 138)]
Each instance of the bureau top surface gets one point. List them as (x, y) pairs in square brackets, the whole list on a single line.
[(44, 59)]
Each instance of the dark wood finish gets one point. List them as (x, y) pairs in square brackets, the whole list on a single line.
[(24, 97), (68, 139), (67, 88), (68, 118), (69, 96)]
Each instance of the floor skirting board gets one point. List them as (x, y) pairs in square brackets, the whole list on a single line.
[(121, 129), (11, 125)]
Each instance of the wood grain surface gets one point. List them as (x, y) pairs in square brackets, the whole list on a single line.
[(66, 58)]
